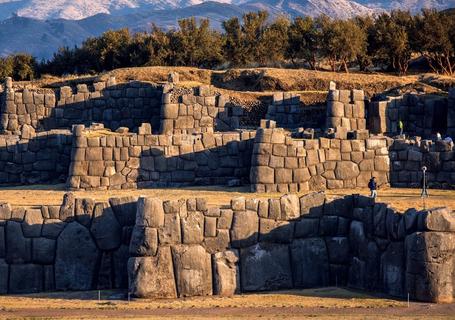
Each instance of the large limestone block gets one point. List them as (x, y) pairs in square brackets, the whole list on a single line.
[(346, 170), (19, 248), (290, 207), (441, 219), (393, 269), (105, 228), (265, 267), (76, 258), (5, 211), (2, 242), (245, 229), (33, 223), (152, 277), (192, 225), (193, 271), (3, 276), (312, 204), (150, 212), (43, 250), (124, 209), (262, 175), (310, 263), (275, 231), (144, 241), (338, 250), (226, 273), (25, 278), (430, 261)]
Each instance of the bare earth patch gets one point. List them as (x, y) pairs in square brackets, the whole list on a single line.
[(37, 195), (326, 303)]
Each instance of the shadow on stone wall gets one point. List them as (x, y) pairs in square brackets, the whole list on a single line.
[(121, 105), (183, 248), (115, 105), (43, 158)]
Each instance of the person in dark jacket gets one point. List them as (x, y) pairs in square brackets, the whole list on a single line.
[(373, 187)]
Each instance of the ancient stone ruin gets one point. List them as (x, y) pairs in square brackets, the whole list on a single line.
[(107, 135)]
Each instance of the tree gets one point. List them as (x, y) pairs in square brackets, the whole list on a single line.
[(276, 41), (343, 41), (392, 41), (6, 67), (196, 44), (435, 40), (304, 41)]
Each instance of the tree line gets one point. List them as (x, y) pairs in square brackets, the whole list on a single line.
[(388, 41)]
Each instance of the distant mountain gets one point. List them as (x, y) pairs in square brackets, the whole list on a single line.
[(40, 27), (411, 5), (80, 9), (43, 37)]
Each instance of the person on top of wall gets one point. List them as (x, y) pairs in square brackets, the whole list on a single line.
[(373, 187), (401, 127)]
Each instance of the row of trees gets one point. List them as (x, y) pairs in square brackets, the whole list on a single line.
[(387, 41)]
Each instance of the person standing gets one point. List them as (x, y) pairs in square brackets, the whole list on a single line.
[(373, 188), (401, 127)]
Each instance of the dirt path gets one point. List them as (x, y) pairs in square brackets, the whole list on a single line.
[(38, 195), (415, 311), (323, 303)]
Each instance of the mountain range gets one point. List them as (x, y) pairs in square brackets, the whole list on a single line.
[(40, 27)]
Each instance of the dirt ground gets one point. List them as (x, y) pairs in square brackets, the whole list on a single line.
[(326, 303), (37, 195)]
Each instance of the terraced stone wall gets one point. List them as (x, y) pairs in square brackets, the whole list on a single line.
[(80, 245), (422, 115), (289, 112), (347, 109), (42, 157), (114, 105), (183, 248), (407, 158), (201, 112), (285, 164), (125, 161)]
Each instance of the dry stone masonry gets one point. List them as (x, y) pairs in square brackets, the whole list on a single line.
[(115, 105), (125, 161), (184, 248), (203, 112), (285, 164), (346, 109), (289, 112), (422, 115)]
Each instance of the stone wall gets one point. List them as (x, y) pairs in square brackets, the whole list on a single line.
[(289, 112), (42, 157), (183, 249), (422, 115), (409, 156), (346, 109), (80, 245), (144, 160), (451, 113), (114, 105), (203, 112), (285, 164)]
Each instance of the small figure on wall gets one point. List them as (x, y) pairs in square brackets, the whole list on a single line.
[(372, 184)]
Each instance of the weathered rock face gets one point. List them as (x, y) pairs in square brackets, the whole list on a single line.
[(76, 252), (105, 227), (430, 265), (193, 274), (226, 273), (26, 278), (152, 277), (310, 261), (265, 267)]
